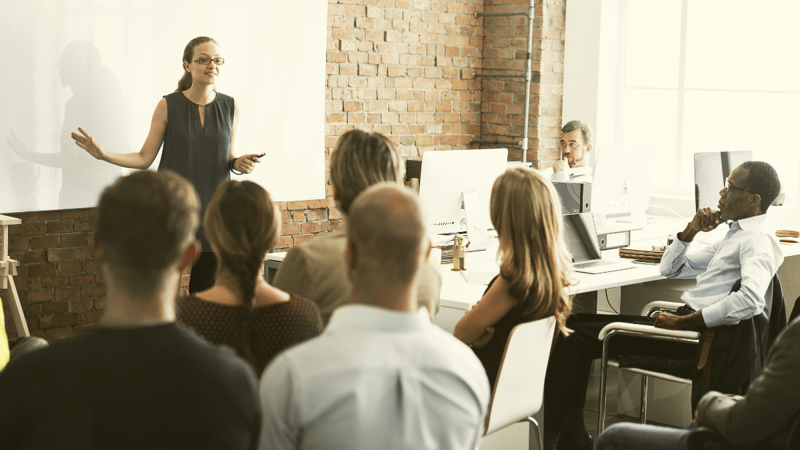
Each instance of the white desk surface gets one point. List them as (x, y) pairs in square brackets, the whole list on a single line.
[(458, 293)]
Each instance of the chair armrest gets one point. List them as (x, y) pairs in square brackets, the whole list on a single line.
[(660, 306), (645, 330)]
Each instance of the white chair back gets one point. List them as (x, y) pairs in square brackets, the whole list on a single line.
[(519, 388)]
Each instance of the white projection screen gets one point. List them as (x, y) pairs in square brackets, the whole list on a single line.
[(104, 65)]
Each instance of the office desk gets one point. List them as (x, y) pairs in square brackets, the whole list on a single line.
[(458, 295)]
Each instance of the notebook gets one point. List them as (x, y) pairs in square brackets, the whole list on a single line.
[(581, 237)]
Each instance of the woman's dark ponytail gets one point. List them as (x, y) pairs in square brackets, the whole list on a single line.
[(247, 273), (185, 82), (242, 225)]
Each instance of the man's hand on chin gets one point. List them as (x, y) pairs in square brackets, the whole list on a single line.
[(561, 165)]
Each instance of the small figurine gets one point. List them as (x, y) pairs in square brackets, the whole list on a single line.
[(459, 252)]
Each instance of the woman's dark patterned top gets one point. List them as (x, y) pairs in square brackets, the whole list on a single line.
[(276, 327)]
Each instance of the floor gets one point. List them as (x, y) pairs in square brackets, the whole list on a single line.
[(592, 398), (516, 436)]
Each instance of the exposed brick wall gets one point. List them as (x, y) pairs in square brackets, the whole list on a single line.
[(399, 67), (505, 50), (59, 282)]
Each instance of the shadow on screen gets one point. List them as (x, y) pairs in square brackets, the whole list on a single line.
[(15, 174), (96, 106)]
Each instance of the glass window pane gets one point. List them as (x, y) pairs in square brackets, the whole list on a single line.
[(761, 123), (650, 125), (652, 43), (738, 44)]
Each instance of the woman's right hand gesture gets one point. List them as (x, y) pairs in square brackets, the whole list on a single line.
[(88, 143)]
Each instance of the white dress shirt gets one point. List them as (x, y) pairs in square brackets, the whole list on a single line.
[(570, 175), (375, 379), (749, 252)]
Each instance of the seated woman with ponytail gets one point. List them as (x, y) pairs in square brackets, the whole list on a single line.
[(535, 267), (241, 309)]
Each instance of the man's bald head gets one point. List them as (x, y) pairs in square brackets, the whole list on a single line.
[(386, 230)]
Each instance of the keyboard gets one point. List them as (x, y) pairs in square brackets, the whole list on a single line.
[(593, 263)]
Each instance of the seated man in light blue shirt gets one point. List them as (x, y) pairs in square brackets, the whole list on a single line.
[(575, 145), (381, 376), (749, 252)]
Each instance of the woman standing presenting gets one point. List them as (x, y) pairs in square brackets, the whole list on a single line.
[(197, 126)]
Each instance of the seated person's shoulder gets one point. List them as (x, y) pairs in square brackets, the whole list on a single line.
[(318, 252), (196, 347), (452, 352), (43, 361)]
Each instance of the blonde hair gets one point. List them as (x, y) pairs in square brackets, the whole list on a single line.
[(534, 258), (242, 226), (361, 159)]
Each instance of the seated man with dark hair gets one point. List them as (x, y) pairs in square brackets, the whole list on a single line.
[(141, 380), (749, 253)]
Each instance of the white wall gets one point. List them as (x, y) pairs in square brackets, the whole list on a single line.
[(104, 64)]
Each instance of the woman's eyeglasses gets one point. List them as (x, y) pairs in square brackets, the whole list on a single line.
[(205, 60)]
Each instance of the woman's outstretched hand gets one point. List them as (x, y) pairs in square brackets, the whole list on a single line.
[(246, 163), (88, 143)]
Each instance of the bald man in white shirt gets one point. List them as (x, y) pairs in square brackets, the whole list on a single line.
[(381, 376)]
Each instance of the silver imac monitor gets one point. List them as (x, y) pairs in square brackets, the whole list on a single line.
[(711, 171), (444, 179)]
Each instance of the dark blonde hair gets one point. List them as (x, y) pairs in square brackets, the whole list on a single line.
[(188, 53), (361, 159), (146, 219), (535, 261), (242, 225)]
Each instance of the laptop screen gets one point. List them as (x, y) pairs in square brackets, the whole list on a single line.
[(581, 237)]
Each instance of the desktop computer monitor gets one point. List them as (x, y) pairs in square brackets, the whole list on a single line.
[(581, 237), (444, 179), (711, 171)]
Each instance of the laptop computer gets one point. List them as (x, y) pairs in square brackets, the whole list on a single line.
[(581, 237)]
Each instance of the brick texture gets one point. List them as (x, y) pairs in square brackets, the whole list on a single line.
[(402, 68), (505, 51)]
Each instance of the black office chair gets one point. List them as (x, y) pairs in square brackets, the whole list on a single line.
[(705, 438)]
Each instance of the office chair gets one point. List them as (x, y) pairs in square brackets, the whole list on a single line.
[(768, 330), (642, 331), (519, 389)]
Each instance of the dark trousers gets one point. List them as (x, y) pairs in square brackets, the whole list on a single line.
[(570, 362), (204, 273)]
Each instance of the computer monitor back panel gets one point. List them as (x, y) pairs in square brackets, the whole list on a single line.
[(446, 175), (581, 237), (575, 197), (711, 171)]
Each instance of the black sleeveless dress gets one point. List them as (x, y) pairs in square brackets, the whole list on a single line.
[(492, 354), (199, 154)]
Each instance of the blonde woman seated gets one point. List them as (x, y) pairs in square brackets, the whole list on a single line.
[(241, 309), (535, 267)]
